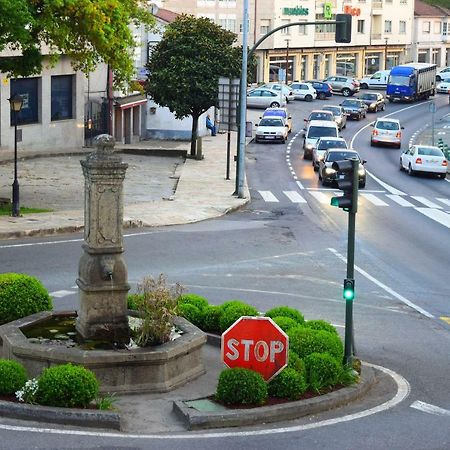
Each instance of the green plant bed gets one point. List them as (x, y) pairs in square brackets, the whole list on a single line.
[(6, 210)]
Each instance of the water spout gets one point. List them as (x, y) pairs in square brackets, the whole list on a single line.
[(107, 267)]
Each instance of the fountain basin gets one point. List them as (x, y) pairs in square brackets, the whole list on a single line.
[(146, 369)]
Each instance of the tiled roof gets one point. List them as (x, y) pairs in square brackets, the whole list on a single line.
[(425, 9), (166, 15)]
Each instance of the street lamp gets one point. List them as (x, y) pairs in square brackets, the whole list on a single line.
[(15, 102), (287, 59), (385, 53)]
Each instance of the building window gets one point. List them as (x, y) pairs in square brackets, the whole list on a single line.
[(325, 28), (426, 27), (445, 29), (285, 30), (228, 24), (361, 26), (265, 26), (388, 26), (302, 29), (437, 27), (62, 97), (241, 26), (402, 27), (27, 88)]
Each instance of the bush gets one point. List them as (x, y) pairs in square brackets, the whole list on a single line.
[(233, 312), (321, 325), (191, 312), (67, 386), (288, 384), (133, 301), (241, 386), (322, 371), (193, 299), (20, 296), (231, 303), (12, 376), (285, 323), (211, 319), (296, 363), (304, 341), (286, 311)]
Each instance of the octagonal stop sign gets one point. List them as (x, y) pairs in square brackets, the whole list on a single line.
[(256, 343)]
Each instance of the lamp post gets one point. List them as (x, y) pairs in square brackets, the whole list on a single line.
[(287, 59), (15, 102), (385, 53)]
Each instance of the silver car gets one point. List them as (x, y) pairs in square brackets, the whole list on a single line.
[(287, 90), (339, 115), (347, 86), (264, 98)]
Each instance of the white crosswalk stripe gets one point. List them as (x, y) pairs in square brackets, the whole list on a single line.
[(294, 196), (445, 201), (426, 202), (374, 199), (400, 200), (437, 215), (321, 197), (268, 197)]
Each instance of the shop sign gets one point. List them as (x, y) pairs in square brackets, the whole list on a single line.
[(352, 11), (327, 12), (297, 11)]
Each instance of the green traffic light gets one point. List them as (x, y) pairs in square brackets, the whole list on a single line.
[(349, 294), (349, 289)]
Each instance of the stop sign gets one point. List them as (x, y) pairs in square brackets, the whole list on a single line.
[(256, 343)]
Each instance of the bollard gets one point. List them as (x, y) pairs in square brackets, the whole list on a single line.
[(199, 153)]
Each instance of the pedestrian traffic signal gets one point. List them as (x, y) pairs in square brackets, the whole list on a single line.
[(343, 28), (347, 181), (349, 289)]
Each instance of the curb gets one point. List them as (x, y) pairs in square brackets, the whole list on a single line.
[(196, 420)]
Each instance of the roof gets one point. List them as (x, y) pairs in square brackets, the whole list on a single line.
[(165, 15), (424, 9)]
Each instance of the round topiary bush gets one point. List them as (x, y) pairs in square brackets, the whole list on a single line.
[(12, 376), (322, 371), (286, 311), (134, 300), (288, 384), (67, 386), (285, 323), (233, 312), (193, 299), (190, 312), (305, 341), (20, 296), (240, 386), (321, 325), (211, 319), (296, 363)]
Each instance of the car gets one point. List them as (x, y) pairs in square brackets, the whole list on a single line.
[(347, 86), (271, 129), (323, 144), (425, 159), (339, 115), (303, 91), (386, 131), (317, 129), (444, 70), (374, 101), (327, 175), (279, 112), (354, 108), (318, 114), (443, 87), (264, 98), (323, 89), (287, 90), (443, 76)]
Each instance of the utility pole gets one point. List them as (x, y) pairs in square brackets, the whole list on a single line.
[(287, 60), (385, 53)]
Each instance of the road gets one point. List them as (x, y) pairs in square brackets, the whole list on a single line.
[(291, 251)]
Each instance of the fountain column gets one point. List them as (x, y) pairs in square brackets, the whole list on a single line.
[(102, 274)]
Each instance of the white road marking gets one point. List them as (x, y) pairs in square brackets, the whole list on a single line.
[(321, 197), (435, 214), (384, 287), (300, 185), (374, 199), (386, 186), (268, 196), (431, 409), (294, 196), (426, 202), (400, 200), (61, 293), (445, 201)]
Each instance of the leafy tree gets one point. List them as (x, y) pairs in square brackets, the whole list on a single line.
[(88, 31), (186, 64)]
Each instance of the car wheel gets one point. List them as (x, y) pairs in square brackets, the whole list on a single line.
[(320, 176), (321, 96), (372, 144), (315, 167), (399, 146), (383, 107), (324, 183), (346, 92), (410, 171), (274, 105), (364, 86), (308, 98), (401, 165), (442, 176), (359, 117)]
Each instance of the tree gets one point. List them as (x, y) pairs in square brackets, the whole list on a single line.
[(185, 67), (88, 31)]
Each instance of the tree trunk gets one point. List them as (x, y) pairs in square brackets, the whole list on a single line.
[(194, 135)]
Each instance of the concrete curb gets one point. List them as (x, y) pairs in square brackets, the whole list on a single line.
[(195, 420)]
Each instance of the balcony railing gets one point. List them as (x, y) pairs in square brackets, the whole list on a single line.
[(324, 36), (375, 36), (377, 5)]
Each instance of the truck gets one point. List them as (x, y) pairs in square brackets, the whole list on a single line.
[(376, 81), (411, 82)]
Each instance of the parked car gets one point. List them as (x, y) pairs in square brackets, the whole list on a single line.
[(303, 91), (424, 158), (374, 101), (443, 74), (323, 144), (443, 87), (339, 115), (285, 89), (318, 114), (317, 129), (327, 175), (386, 131), (376, 81), (279, 112), (323, 89), (264, 98), (354, 108), (271, 129), (347, 86)]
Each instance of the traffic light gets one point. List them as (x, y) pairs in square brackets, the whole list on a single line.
[(349, 289), (347, 181), (343, 28)]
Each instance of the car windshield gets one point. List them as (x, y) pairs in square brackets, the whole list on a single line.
[(426, 151), (369, 96), (317, 132), (334, 110), (351, 103), (399, 80), (387, 125), (338, 156), (331, 143), (271, 122), (321, 116), (278, 113)]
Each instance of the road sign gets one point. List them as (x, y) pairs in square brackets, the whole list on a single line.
[(256, 343), (228, 103)]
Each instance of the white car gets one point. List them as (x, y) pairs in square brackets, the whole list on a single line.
[(287, 91), (443, 87), (264, 98), (272, 128), (424, 158), (303, 91), (317, 129), (386, 131), (323, 144)]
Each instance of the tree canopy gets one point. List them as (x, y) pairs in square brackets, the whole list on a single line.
[(88, 31)]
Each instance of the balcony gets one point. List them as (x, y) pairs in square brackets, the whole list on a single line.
[(375, 36), (324, 36), (377, 5)]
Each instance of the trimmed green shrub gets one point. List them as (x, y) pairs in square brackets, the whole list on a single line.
[(12, 376), (67, 386), (321, 325), (193, 299), (134, 300), (233, 312), (20, 296), (232, 303), (211, 319), (296, 363), (288, 384), (305, 341), (322, 371), (286, 311), (285, 323), (241, 386), (190, 312)]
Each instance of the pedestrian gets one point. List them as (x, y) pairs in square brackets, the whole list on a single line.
[(210, 125)]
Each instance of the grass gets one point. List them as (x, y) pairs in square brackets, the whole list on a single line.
[(6, 210)]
